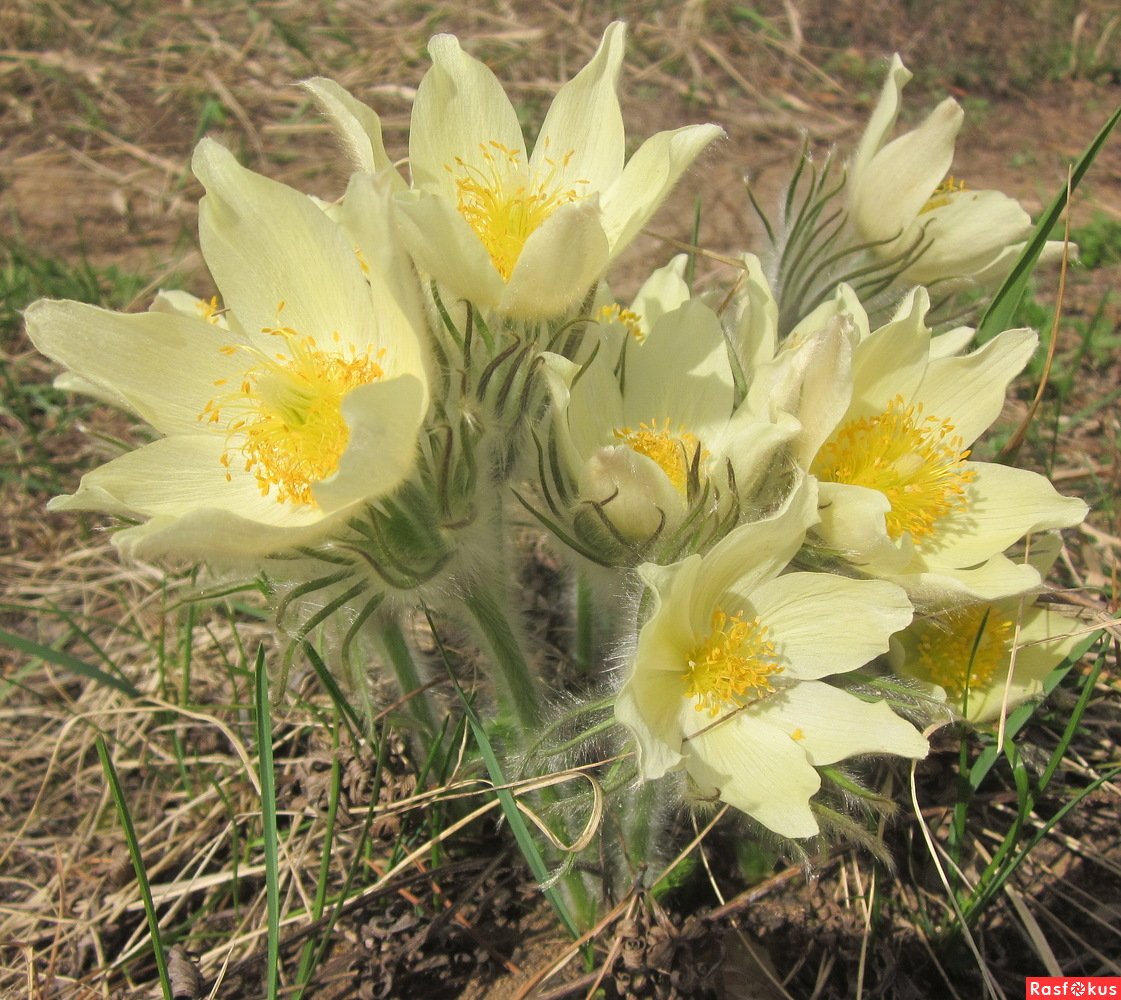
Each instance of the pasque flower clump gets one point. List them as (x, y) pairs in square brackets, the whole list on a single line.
[(785, 553)]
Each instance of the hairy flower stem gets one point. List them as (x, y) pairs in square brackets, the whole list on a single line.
[(518, 688), (396, 648), (584, 644)]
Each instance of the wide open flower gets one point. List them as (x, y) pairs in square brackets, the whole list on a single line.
[(901, 195), (296, 401), (525, 234), (969, 651), (900, 497), (649, 430), (727, 677)]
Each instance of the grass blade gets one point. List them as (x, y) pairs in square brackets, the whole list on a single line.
[(68, 662), (999, 315), (268, 820), (137, 865)]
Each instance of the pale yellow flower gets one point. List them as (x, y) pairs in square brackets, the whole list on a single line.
[(969, 651), (728, 677), (901, 497), (296, 398), (648, 428), (902, 196), (526, 234)]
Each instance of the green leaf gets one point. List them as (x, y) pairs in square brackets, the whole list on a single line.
[(999, 315), (137, 864), (268, 820), (71, 663)]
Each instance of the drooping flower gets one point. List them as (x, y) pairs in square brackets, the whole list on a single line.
[(728, 676), (648, 428), (526, 234), (900, 496), (295, 400), (969, 652), (901, 195)]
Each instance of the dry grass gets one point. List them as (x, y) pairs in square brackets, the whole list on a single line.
[(100, 107)]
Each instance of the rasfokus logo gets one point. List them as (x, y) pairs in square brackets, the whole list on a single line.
[(1072, 986)]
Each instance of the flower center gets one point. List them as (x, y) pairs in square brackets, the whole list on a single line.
[(674, 453), (917, 462), (735, 659), (285, 416), (963, 651), (627, 318), (943, 194), (503, 205)]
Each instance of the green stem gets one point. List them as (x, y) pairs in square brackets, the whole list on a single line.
[(408, 677), (584, 625), (519, 687)]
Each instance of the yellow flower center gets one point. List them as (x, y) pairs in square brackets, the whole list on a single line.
[(736, 659), (964, 651), (629, 319), (502, 205), (943, 194), (674, 453), (917, 462), (285, 416)]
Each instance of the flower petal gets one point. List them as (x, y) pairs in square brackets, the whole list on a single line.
[(823, 624), (357, 126), (173, 476), (383, 418), (830, 724), (648, 178), (460, 107), (276, 258), (561, 260), (967, 234), (910, 167), (445, 247), (969, 390), (163, 365), (583, 129), (758, 769), (1003, 505)]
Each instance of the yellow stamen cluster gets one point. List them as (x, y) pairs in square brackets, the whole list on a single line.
[(943, 194), (734, 661), (615, 313), (917, 462), (285, 415), (675, 453), (965, 650), (503, 205), (210, 310)]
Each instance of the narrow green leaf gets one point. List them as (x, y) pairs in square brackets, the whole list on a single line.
[(137, 865), (999, 315), (268, 820), (71, 663)]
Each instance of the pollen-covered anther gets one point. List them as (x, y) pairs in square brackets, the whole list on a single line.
[(503, 203), (964, 650), (917, 462), (673, 452), (285, 418), (629, 319), (736, 661), (210, 309), (943, 194)]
